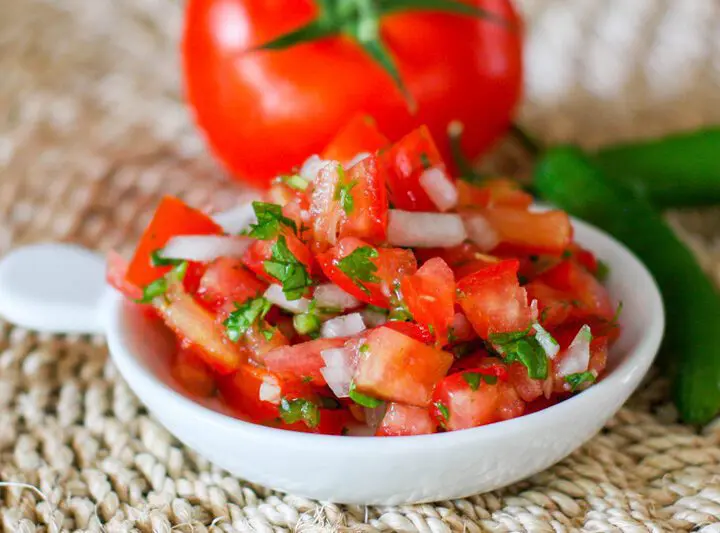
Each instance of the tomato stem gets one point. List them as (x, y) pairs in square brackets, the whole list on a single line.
[(529, 143)]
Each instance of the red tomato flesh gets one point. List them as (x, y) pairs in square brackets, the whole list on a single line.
[(227, 280), (588, 292), (359, 135), (404, 420), (302, 360), (523, 232)]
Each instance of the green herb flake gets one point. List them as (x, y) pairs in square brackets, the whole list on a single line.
[(153, 290), (524, 348), (603, 271), (343, 192), (376, 309), (442, 408), (567, 254), (473, 379), (575, 380), (270, 221), (306, 323), (364, 348), (268, 333), (295, 181), (358, 266), (361, 399), (425, 160), (300, 410), (245, 316), (158, 260), (286, 268)]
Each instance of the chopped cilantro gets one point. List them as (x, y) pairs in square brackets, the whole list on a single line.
[(364, 348), (306, 323), (361, 399), (158, 260), (575, 380), (328, 402), (344, 431), (269, 221), (522, 279), (245, 316), (451, 334), (473, 379), (524, 348), (359, 268), (567, 254), (295, 181), (286, 268), (376, 309), (307, 379), (343, 191), (300, 409), (153, 290), (425, 160), (443, 410), (268, 333), (603, 271)]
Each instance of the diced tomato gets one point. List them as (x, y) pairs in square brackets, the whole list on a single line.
[(598, 357), (326, 213), (403, 420), (171, 218), (507, 193), (261, 339), (413, 330), (191, 372), (481, 361), (471, 197), (116, 276), (333, 421), (584, 257), (461, 329), (465, 407), (406, 160), (394, 367), (198, 329), (261, 251), (359, 135), (527, 388), (226, 279), (430, 297), (510, 405), (241, 391), (366, 216), (302, 360), (521, 231), (391, 263), (589, 294), (554, 306), (493, 300), (463, 259)]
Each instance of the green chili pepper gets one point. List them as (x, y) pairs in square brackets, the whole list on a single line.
[(675, 171), (571, 180)]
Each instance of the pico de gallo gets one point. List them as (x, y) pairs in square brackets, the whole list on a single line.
[(369, 288)]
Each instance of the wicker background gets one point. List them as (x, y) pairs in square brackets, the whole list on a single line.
[(93, 130)]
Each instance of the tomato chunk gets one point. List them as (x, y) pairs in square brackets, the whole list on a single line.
[(303, 360), (116, 276), (497, 192), (394, 367), (521, 231), (227, 280), (359, 135), (493, 300), (406, 160), (589, 294), (403, 420), (191, 372), (172, 217), (261, 251), (460, 404), (430, 296), (365, 202), (463, 259), (554, 306), (415, 331)]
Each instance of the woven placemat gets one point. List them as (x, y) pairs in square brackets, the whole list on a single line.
[(93, 131)]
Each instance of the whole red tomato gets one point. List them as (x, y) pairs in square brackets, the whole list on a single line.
[(264, 111)]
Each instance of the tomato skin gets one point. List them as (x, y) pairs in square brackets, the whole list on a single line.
[(554, 306), (467, 408), (116, 276), (493, 300), (463, 259), (415, 331), (263, 112), (172, 217), (359, 135), (396, 368), (523, 232), (227, 280), (368, 219), (496, 192), (193, 375), (430, 296), (405, 420), (527, 388), (302, 360), (592, 297)]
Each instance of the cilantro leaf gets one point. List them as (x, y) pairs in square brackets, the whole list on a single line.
[(524, 348), (300, 409), (286, 268), (269, 221), (425, 160), (361, 399), (158, 260), (243, 318), (359, 268), (443, 410), (603, 271), (473, 379), (343, 192), (153, 290), (295, 181), (575, 380)]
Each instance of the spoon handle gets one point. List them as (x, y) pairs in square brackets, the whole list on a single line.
[(53, 287)]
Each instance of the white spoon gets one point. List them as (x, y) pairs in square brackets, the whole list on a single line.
[(59, 288)]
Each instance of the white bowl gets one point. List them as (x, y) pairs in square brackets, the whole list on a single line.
[(385, 470)]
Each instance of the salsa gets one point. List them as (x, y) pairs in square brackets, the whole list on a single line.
[(377, 292)]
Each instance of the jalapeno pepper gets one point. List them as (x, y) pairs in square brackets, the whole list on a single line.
[(570, 179)]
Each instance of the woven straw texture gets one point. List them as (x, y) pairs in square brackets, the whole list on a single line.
[(93, 131)]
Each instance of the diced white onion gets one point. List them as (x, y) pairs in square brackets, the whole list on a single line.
[(338, 370), (577, 357), (275, 295), (203, 248), (236, 219), (480, 232), (343, 326), (373, 318), (331, 296), (548, 343), (440, 188), (374, 416), (270, 390), (425, 230), (312, 166), (355, 160)]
